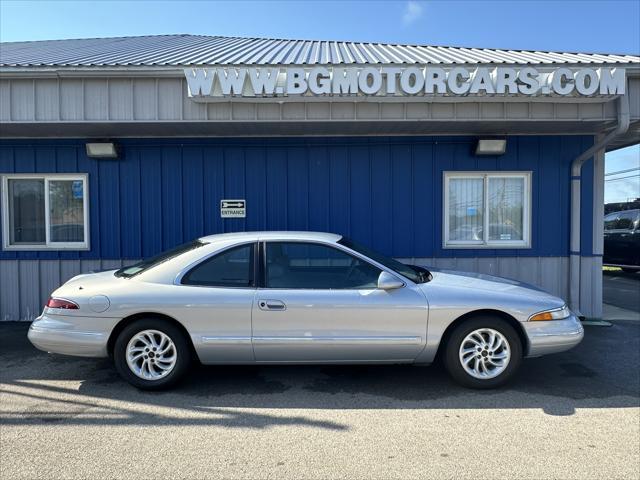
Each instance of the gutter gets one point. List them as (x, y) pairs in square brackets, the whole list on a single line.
[(576, 171)]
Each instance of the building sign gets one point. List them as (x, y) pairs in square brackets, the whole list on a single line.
[(211, 84), (233, 208)]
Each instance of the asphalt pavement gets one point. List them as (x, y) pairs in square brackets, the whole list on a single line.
[(570, 415), (621, 289)]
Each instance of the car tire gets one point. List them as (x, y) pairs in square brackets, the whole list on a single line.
[(165, 366), (497, 363)]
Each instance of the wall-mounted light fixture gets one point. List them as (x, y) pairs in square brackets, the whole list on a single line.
[(491, 146), (102, 150)]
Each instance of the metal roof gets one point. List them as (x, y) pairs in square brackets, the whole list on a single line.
[(183, 50)]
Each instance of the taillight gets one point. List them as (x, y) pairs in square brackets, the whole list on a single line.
[(61, 303)]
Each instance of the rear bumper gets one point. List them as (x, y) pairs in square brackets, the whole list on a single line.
[(55, 335), (553, 336)]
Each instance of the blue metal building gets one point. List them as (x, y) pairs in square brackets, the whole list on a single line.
[(399, 168)]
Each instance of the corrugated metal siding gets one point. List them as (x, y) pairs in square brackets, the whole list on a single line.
[(140, 100), (382, 191), (25, 285), (180, 50)]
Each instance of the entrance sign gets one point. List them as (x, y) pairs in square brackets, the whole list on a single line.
[(211, 84), (233, 208)]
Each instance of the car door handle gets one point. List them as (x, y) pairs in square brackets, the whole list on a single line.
[(271, 305)]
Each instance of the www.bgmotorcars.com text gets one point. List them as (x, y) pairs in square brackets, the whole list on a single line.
[(216, 83)]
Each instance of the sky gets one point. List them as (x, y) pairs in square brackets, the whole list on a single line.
[(590, 26), (610, 26), (623, 186)]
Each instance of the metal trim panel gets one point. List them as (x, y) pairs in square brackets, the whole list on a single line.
[(127, 99)]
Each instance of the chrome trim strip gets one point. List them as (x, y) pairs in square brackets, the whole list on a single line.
[(62, 331), (561, 334), (339, 340), (226, 340)]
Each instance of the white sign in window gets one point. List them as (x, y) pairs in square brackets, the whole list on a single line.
[(45, 212), (233, 208), (483, 209)]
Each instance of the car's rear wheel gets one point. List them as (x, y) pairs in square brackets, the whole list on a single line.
[(483, 352), (152, 354)]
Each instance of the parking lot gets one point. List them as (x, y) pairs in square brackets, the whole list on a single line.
[(622, 289), (572, 415)]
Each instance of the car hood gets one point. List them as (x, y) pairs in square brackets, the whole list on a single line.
[(491, 286)]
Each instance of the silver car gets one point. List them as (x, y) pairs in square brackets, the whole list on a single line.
[(303, 298)]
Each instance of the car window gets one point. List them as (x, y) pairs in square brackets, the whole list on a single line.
[(314, 266), (610, 221), (412, 272), (231, 268), (144, 265), (626, 220)]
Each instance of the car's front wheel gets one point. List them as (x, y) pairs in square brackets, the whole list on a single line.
[(152, 354), (483, 352)]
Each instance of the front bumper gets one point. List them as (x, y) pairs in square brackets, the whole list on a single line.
[(553, 336), (61, 335)]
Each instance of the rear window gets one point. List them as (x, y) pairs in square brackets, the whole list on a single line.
[(145, 265)]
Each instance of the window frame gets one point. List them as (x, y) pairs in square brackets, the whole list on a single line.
[(263, 265), (255, 281), (48, 245), (485, 243)]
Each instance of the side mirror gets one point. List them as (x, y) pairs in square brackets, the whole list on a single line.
[(386, 281)]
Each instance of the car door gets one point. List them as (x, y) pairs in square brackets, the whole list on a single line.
[(619, 236), (627, 238), (320, 303), (216, 296)]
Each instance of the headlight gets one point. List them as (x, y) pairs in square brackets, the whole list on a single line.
[(555, 314)]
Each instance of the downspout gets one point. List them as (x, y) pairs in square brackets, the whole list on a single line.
[(576, 170)]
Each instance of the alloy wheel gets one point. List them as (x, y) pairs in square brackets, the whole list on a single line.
[(151, 354), (484, 353)]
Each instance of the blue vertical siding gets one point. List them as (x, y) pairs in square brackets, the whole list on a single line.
[(386, 192), (151, 195)]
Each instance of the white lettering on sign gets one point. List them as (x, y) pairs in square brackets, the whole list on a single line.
[(211, 84), (233, 208)]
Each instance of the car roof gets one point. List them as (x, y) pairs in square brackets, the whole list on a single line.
[(274, 235)]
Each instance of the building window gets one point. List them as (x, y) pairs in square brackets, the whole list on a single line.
[(487, 210), (42, 212)]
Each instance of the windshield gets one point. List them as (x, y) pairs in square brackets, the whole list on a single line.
[(140, 267), (413, 272)]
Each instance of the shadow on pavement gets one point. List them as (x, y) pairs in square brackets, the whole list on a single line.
[(602, 372)]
